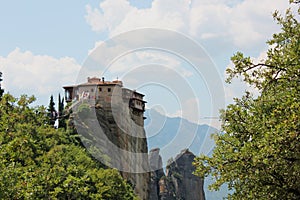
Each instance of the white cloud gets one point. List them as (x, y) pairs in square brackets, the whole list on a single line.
[(39, 75), (252, 23), (119, 16), (190, 110), (244, 23), (111, 13), (95, 19), (221, 26), (139, 58), (117, 60)]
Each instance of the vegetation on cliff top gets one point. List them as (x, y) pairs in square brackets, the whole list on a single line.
[(258, 153), (38, 161)]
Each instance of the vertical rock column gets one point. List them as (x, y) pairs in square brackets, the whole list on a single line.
[(131, 158), (178, 182)]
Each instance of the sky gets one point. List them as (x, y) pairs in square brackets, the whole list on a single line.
[(47, 44)]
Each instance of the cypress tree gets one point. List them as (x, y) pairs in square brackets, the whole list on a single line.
[(61, 118), (1, 90), (52, 114)]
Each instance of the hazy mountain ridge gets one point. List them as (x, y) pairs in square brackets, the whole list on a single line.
[(164, 132), (173, 134)]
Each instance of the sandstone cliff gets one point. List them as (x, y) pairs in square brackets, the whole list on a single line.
[(178, 182)]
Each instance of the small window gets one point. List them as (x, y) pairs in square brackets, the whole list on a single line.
[(100, 89), (92, 90), (108, 89)]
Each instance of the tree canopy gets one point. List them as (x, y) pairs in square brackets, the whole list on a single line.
[(38, 161), (258, 151)]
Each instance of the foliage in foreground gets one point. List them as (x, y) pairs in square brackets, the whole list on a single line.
[(40, 162), (258, 153)]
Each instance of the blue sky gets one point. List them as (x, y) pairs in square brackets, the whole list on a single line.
[(43, 44), (54, 28)]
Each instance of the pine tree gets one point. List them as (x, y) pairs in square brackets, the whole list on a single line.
[(1, 90), (52, 114)]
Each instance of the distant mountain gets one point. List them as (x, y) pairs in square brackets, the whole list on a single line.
[(172, 135)]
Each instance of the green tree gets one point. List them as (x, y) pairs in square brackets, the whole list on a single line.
[(1, 90), (258, 151), (61, 113), (38, 161), (52, 113)]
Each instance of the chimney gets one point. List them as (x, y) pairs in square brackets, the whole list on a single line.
[(103, 79)]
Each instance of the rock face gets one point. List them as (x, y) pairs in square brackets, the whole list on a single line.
[(131, 155), (113, 135), (110, 121), (178, 182), (157, 173)]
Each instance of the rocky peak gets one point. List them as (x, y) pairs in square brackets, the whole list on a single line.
[(178, 182), (155, 162)]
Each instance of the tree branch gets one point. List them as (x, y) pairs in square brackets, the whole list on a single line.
[(263, 65)]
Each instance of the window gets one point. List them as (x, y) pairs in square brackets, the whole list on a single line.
[(92, 90), (100, 89), (108, 89)]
